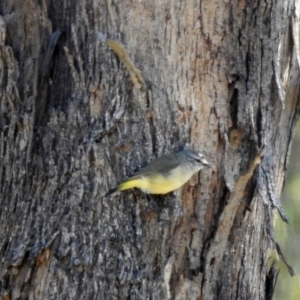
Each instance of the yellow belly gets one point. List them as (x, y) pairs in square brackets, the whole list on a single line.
[(157, 184)]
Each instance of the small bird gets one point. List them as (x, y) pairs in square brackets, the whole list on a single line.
[(166, 173)]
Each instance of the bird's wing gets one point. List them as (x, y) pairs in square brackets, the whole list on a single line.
[(162, 165)]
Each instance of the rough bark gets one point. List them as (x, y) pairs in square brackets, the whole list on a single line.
[(220, 77)]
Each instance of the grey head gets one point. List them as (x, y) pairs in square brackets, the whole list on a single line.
[(195, 159)]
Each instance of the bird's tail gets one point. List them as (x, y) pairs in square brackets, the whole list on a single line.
[(125, 185), (111, 191)]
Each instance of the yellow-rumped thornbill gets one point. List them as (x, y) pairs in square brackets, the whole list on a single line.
[(166, 173)]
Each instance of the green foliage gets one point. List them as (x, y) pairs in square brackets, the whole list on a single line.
[(288, 236)]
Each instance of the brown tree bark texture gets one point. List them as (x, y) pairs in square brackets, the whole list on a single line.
[(222, 77)]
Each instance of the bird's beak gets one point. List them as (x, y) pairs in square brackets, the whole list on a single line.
[(207, 164)]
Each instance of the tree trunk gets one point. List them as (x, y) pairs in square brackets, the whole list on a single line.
[(220, 77)]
